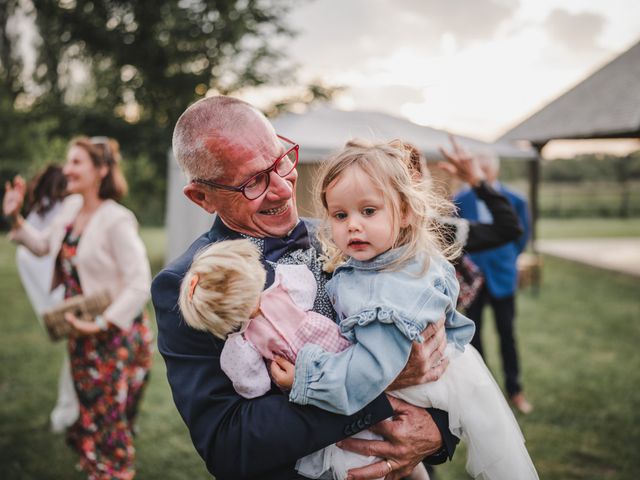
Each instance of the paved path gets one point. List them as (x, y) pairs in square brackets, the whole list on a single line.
[(616, 254)]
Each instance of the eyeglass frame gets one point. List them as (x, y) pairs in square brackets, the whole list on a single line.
[(272, 168)]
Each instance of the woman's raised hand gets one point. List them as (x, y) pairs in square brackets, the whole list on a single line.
[(14, 197)]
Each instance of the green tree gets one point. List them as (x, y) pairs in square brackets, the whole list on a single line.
[(148, 59), (128, 68)]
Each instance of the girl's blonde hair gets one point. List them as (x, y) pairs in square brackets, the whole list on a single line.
[(414, 205), (222, 287)]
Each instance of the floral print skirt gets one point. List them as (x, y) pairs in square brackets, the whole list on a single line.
[(110, 371)]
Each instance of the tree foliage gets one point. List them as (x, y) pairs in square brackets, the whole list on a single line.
[(128, 68), (593, 167), (148, 59)]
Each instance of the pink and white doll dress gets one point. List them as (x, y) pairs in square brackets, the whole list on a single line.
[(283, 325)]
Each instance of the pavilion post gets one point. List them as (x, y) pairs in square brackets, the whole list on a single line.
[(534, 190)]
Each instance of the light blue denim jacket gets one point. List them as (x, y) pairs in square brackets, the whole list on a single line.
[(382, 312)]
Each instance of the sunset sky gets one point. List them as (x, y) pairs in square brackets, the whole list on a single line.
[(475, 67)]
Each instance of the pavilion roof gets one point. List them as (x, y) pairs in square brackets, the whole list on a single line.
[(604, 105)]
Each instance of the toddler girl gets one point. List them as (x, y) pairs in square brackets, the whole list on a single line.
[(391, 280)]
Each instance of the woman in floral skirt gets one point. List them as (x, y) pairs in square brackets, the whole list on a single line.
[(99, 250)]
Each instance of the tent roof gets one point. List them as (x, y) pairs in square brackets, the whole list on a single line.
[(605, 105), (323, 130)]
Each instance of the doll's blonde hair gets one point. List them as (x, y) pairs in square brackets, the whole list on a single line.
[(222, 287), (409, 198)]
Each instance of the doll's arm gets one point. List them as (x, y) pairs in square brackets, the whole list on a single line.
[(299, 283), (245, 367)]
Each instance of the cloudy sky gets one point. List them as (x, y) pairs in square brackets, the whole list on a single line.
[(475, 67)]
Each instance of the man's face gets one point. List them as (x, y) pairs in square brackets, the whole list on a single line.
[(247, 151)]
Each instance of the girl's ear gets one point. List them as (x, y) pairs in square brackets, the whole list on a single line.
[(405, 217)]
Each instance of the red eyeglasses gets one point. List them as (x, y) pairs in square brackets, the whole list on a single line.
[(258, 184)]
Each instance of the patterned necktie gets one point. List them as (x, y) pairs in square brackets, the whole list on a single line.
[(274, 248)]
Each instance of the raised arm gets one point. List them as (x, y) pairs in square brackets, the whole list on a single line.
[(39, 242), (238, 438), (505, 227), (13, 199), (476, 236), (21, 232)]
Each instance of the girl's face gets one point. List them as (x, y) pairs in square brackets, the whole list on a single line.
[(361, 220), (82, 175)]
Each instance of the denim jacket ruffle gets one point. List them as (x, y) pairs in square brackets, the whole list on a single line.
[(409, 297), (408, 327)]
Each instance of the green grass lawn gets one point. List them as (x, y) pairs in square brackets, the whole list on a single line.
[(579, 341), (554, 228)]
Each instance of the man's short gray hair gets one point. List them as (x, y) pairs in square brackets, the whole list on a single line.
[(197, 126)]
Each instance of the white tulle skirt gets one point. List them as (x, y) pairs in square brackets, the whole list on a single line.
[(478, 415), (333, 463)]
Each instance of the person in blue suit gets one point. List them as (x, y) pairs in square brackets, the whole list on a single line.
[(500, 271), (238, 168)]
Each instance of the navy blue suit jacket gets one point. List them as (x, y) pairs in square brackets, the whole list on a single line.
[(238, 438), (498, 265)]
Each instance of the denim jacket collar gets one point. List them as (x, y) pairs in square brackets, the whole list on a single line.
[(376, 263)]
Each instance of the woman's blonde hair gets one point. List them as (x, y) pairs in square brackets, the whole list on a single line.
[(222, 287), (413, 203)]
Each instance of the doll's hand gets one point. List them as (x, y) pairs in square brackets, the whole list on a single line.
[(82, 327), (282, 372)]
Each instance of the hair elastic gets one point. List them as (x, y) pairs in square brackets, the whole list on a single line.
[(107, 148), (193, 284)]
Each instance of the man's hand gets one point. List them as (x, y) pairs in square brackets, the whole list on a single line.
[(409, 436), (282, 372), (461, 164), (427, 362)]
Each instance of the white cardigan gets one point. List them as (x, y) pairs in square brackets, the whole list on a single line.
[(110, 256)]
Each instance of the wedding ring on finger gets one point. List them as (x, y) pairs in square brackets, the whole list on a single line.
[(389, 467)]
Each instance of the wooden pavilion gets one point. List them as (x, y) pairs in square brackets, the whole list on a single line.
[(603, 106)]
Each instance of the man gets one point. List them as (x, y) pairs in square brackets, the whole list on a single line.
[(501, 276), (233, 161)]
